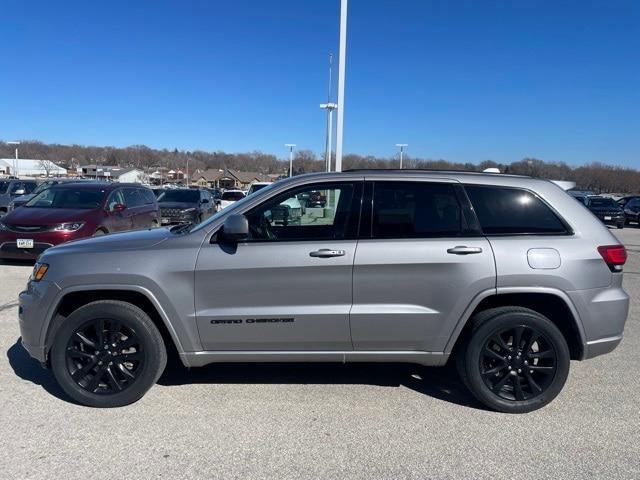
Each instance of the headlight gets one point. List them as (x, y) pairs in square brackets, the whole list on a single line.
[(39, 271), (68, 227)]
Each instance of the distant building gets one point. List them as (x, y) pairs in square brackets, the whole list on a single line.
[(227, 179), (113, 173), (26, 167)]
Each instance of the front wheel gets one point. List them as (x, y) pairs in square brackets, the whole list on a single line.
[(515, 360), (107, 354)]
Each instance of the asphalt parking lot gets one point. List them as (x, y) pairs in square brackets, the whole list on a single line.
[(320, 421)]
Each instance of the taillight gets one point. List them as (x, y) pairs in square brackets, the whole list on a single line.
[(614, 256)]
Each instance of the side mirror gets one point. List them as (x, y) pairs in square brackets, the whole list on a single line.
[(19, 191), (118, 207), (235, 228)]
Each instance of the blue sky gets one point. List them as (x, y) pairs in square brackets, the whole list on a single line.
[(460, 80)]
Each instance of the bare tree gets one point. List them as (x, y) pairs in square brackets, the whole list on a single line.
[(47, 166)]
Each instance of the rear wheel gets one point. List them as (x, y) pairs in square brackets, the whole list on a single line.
[(515, 360), (107, 354), (99, 233)]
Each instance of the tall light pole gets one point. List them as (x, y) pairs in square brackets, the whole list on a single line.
[(402, 147), (290, 146), (15, 162), (329, 107), (341, 70)]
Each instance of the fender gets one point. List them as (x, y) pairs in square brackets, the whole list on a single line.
[(49, 323), (510, 290)]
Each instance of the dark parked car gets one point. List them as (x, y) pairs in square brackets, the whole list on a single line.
[(23, 199), (625, 200), (11, 189), (184, 205), (70, 211), (607, 210), (632, 211)]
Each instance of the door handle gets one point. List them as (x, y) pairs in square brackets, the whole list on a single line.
[(462, 250), (327, 252)]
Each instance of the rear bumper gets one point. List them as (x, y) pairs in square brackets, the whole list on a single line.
[(603, 314)]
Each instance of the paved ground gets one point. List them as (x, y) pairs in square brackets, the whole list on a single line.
[(319, 421)]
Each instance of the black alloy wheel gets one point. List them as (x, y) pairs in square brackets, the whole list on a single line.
[(513, 359), (104, 356), (107, 353), (518, 363)]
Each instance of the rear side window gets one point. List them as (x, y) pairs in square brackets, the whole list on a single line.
[(513, 211), (148, 196), (415, 210), (133, 197)]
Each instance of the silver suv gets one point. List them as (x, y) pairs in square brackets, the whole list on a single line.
[(508, 276)]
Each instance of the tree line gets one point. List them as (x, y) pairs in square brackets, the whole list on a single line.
[(598, 177)]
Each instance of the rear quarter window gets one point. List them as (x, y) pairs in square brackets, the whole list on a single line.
[(513, 211)]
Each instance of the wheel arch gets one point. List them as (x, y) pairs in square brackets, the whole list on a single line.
[(73, 298), (551, 303)]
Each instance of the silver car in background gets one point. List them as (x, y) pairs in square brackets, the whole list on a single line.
[(508, 276)]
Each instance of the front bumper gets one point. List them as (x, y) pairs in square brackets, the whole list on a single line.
[(33, 318), (41, 241)]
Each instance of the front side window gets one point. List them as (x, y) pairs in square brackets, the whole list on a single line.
[(287, 217), (116, 198), (512, 211), (415, 210)]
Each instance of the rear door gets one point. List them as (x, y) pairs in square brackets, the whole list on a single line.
[(419, 264)]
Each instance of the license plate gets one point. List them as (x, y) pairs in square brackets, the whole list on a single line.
[(164, 221), (607, 218), (24, 243)]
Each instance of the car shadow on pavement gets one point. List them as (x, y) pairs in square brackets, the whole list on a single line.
[(29, 369), (441, 383)]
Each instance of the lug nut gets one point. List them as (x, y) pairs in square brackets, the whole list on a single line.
[(100, 362), (519, 371)]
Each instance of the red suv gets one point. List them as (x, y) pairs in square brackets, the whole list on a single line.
[(75, 210)]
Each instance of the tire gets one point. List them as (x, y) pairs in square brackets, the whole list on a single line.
[(620, 226), (99, 233), (504, 380), (95, 374)]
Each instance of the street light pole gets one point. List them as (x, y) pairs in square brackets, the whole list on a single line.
[(15, 162), (290, 146), (341, 71), (329, 107), (402, 147)]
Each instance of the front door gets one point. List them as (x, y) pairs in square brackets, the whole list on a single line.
[(420, 268), (289, 286)]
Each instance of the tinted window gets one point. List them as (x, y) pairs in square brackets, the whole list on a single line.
[(599, 202), (635, 203), (148, 195), (133, 197), (414, 210), (82, 198), (508, 211), (232, 196), (3, 187), (179, 195), (283, 217), (30, 187)]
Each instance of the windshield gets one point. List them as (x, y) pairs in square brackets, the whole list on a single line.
[(232, 208), (42, 187), (183, 196), (232, 196), (68, 197), (602, 202), (3, 187)]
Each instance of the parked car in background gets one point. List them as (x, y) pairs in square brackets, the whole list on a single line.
[(229, 197), (185, 205), (624, 200), (632, 211), (607, 210), (255, 186), (69, 211), (23, 199), (11, 189)]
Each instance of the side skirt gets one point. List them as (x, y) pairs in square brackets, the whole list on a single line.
[(199, 359)]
